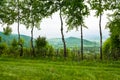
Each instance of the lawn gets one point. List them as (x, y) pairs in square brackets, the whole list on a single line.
[(41, 69)]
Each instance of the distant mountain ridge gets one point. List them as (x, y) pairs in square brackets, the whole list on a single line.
[(71, 42), (8, 38)]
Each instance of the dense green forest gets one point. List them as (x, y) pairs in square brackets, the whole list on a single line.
[(30, 13)]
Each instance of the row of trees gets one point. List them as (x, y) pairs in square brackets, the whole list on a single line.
[(31, 12)]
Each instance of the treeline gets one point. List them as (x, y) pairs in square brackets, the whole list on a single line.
[(31, 12), (42, 49)]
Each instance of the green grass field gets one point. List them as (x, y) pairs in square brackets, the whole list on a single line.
[(38, 69)]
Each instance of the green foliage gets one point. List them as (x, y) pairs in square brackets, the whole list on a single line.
[(114, 27), (77, 10), (14, 43), (1, 1), (27, 52), (3, 48), (33, 11), (40, 42), (111, 4), (111, 49), (0, 38), (7, 30), (40, 45), (7, 12), (21, 41), (50, 51), (13, 49), (107, 47), (97, 5)]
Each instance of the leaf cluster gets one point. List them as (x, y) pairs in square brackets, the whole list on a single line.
[(40, 42), (7, 12), (75, 12), (7, 30)]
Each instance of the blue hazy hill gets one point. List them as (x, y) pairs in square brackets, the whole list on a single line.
[(8, 38), (71, 42)]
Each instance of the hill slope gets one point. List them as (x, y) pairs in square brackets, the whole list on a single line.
[(9, 38), (71, 42)]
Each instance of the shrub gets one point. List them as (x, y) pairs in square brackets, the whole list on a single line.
[(107, 48), (0, 38), (50, 51), (110, 49), (13, 50), (3, 48), (40, 46), (40, 42)]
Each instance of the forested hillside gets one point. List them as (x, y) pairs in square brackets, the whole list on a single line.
[(8, 38), (72, 42)]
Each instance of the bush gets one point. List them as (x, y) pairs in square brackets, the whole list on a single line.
[(40, 46), (50, 51), (3, 48), (107, 48), (110, 49), (40, 42), (27, 52), (13, 49), (0, 38)]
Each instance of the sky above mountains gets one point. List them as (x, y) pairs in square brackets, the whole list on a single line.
[(50, 28)]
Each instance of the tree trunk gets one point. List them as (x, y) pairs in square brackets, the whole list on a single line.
[(63, 39), (32, 28), (19, 43), (100, 37), (81, 43), (32, 46), (100, 2)]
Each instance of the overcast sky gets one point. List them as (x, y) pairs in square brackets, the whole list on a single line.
[(50, 28)]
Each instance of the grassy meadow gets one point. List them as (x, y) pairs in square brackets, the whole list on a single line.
[(44, 69)]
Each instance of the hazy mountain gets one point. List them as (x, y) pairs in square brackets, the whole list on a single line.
[(8, 38), (55, 42), (71, 42), (97, 38)]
